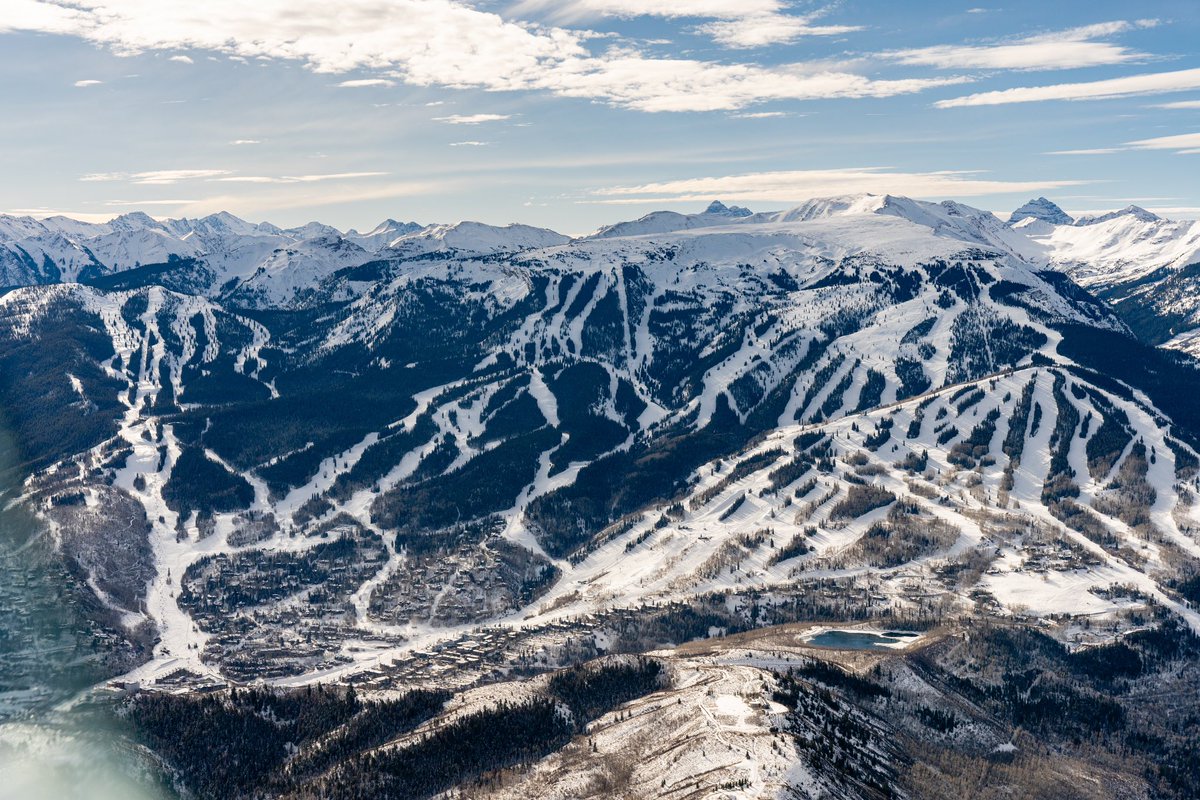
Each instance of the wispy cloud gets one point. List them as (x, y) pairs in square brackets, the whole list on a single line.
[(275, 199), (1184, 143), (327, 176), (167, 177), (797, 185), (739, 23), (182, 59), (148, 202), (1092, 151), (564, 11), (246, 141), (1181, 105), (472, 119), (769, 29), (469, 144), (760, 115), (85, 83), (449, 43), (1150, 83), (363, 83), (162, 177), (1067, 49)]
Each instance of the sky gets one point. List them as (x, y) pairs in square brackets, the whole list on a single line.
[(571, 114)]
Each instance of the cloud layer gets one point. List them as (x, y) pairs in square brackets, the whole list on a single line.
[(1069, 49), (448, 43), (795, 185), (1151, 83)]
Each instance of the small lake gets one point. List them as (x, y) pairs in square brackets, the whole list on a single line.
[(862, 640)]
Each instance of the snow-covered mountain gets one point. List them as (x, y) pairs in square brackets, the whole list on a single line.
[(1145, 266), (472, 238), (1042, 210), (221, 254), (463, 454), (535, 396), (717, 213)]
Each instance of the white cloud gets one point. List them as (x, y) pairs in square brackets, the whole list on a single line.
[(761, 115), (471, 119), (274, 199), (328, 176), (162, 177), (1183, 143), (182, 59), (85, 84), (1151, 83), (449, 43), (169, 177), (366, 82), (797, 185), (1188, 143), (1093, 151), (37, 15), (742, 23), (1181, 105), (147, 202), (575, 10), (1068, 49), (246, 141), (767, 29), (469, 144)]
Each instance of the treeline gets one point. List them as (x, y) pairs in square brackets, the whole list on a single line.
[(488, 483), (238, 744), (479, 743), (198, 483), (329, 743), (47, 418), (1107, 699)]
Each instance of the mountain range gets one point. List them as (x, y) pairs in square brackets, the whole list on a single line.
[(460, 458)]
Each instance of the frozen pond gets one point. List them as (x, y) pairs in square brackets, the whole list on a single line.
[(862, 640)]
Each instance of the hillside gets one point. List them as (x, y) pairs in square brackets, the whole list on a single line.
[(470, 454)]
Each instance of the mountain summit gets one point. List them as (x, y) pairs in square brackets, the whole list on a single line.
[(1042, 209), (716, 207)]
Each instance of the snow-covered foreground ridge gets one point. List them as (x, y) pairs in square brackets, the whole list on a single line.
[(861, 407)]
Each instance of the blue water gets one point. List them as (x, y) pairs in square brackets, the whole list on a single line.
[(860, 640)]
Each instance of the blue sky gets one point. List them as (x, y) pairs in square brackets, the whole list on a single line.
[(575, 113)]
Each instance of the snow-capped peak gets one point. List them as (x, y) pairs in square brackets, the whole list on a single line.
[(717, 213), (821, 207), (716, 207), (382, 234), (1043, 209), (475, 238), (312, 230), (1137, 212), (134, 221)]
